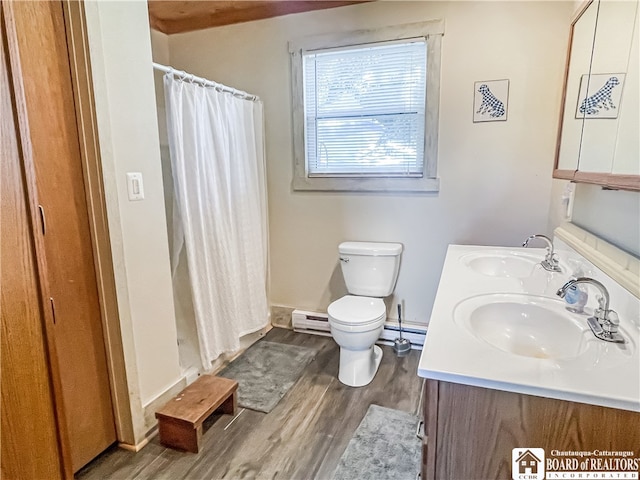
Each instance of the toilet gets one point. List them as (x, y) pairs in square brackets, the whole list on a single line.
[(370, 271)]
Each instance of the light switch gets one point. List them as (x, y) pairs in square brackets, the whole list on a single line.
[(135, 186)]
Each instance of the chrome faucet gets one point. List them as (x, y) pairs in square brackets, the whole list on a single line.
[(604, 323), (550, 262)]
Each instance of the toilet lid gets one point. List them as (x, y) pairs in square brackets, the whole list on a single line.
[(354, 310)]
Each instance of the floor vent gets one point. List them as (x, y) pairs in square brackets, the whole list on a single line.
[(318, 324)]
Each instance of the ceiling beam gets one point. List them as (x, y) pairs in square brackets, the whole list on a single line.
[(177, 16)]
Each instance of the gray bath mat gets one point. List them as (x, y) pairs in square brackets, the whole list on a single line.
[(265, 372), (384, 447)]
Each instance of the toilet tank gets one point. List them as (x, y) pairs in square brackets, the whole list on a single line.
[(370, 269)]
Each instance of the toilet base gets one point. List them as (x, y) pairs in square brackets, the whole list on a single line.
[(358, 367)]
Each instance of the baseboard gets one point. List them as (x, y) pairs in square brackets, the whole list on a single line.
[(149, 415), (281, 316), (139, 446), (245, 342)]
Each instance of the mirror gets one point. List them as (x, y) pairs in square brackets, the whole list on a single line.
[(626, 160), (598, 137), (579, 62), (605, 85)]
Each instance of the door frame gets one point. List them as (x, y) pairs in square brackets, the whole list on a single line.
[(82, 83), (84, 105), (125, 408)]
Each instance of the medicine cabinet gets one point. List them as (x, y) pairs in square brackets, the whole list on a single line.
[(598, 130)]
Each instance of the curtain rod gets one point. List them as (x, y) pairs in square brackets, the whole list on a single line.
[(203, 81)]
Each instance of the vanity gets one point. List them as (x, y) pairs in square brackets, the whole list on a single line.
[(508, 366)]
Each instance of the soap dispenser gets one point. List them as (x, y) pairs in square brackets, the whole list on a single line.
[(577, 296)]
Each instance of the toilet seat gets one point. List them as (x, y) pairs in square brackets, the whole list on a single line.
[(355, 311)]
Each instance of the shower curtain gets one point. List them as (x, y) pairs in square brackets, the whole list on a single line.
[(220, 212)]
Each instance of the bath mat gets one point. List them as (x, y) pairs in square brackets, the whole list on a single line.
[(384, 447), (265, 372)]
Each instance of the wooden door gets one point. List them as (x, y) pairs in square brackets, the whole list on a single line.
[(46, 112), (28, 422)]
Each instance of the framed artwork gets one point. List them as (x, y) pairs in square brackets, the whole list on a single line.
[(490, 100), (600, 96)]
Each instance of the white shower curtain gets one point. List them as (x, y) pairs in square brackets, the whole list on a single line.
[(220, 213)]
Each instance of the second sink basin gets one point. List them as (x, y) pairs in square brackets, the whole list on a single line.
[(525, 325), (501, 264)]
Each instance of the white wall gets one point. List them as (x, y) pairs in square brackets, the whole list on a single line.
[(495, 177), (613, 215), (125, 107), (610, 214)]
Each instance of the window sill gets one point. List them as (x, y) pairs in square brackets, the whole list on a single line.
[(363, 184)]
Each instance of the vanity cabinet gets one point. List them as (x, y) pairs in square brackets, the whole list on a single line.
[(598, 129), (470, 431)]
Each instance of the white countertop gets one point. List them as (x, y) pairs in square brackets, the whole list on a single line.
[(452, 353)]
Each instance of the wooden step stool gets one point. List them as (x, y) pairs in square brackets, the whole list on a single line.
[(180, 420)]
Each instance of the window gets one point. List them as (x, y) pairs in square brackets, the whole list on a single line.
[(366, 109)]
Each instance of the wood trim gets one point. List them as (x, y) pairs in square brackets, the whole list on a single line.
[(613, 181), (556, 163), (624, 182), (55, 170), (27, 404), (11, 14), (432, 99), (151, 407), (79, 56), (156, 24), (609, 180), (564, 174), (142, 443), (185, 16), (580, 10), (591, 177), (430, 441), (357, 37)]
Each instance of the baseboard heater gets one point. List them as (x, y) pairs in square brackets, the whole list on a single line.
[(318, 324)]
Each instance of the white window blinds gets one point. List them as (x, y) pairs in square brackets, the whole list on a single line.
[(364, 109)]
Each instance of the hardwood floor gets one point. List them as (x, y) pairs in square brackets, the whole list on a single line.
[(302, 438)]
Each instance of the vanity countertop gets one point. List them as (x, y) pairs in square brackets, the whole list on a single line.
[(608, 376)]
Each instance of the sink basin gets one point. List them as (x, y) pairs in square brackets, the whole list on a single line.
[(526, 325), (501, 264)]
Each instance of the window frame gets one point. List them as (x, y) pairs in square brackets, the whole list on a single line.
[(432, 32)]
